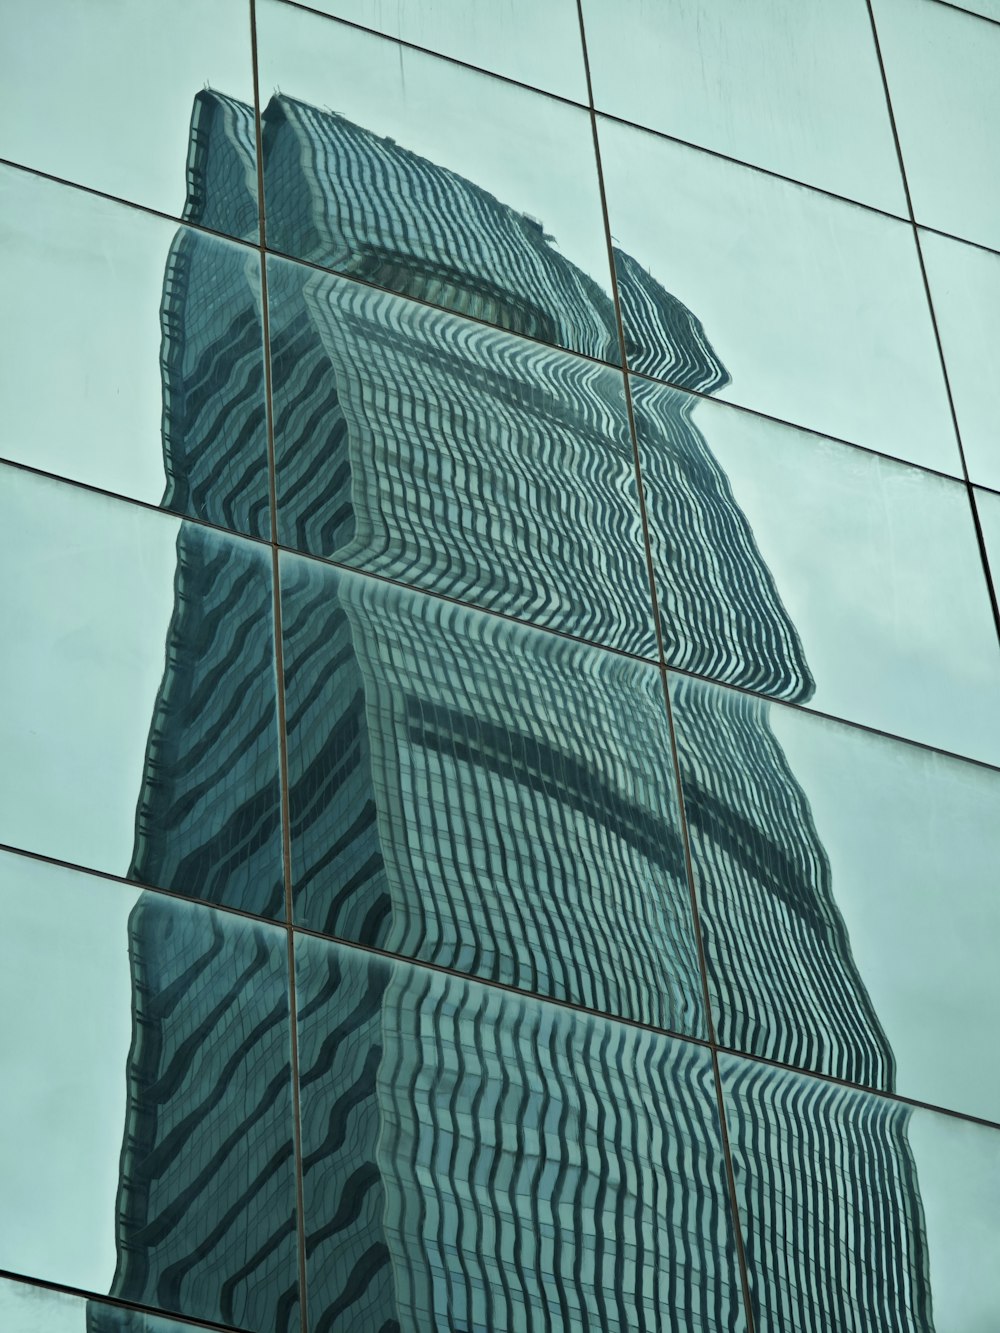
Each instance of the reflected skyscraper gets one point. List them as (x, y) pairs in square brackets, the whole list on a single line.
[(477, 795), (203, 1214)]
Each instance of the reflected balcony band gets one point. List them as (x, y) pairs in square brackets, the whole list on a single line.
[(475, 818)]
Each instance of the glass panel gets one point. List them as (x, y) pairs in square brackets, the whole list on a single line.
[(153, 335), (802, 569), (433, 180), (25, 1308), (137, 714), (811, 844), (860, 1212), (965, 287), (537, 43), (459, 458), (988, 508), (137, 100), (148, 1150), (774, 296), (478, 1160), (988, 8), (483, 796), (790, 85), (941, 67)]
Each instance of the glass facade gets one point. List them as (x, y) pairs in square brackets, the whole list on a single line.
[(500, 507)]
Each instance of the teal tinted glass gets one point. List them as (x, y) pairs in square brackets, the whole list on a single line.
[(941, 65), (153, 335), (965, 287), (455, 457), (988, 508), (853, 1202), (774, 296), (138, 713), (486, 797), (789, 85), (433, 180), (537, 44), (801, 569), (147, 1152), (475, 1159), (860, 871), (104, 95)]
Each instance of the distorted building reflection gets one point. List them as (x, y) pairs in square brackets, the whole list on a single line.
[(484, 797), (479, 1160), (205, 1216)]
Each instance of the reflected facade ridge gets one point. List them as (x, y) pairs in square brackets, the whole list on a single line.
[(371, 714), (208, 815), (205, 1217), (214, 429)]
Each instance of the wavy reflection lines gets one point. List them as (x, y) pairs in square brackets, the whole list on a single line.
[(206, 1197), (519, 774), (484, 467), (722, 613), (508, 1137), (404, 223), (671, 344), (862, 1230), (338, 864), (221, 169), (351, 1282), (783, 978), (213, 429), (313, 464), (207, 820), (480, 795)]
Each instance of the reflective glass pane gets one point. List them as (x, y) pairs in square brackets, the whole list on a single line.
[(537, 43), (860, 1212), (848, 896), (777, 297), (25, 1308), (136, 99), (804, 570), (137, 703), (941, 67), (988, 508), (415, 444), (433, 180), (483, 796), (479, 1160), (790, 85), (152, 334), (988, 8), (965, 287), (146, 1130)]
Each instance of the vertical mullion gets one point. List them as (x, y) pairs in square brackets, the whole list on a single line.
[(977, 526), (674, 758)]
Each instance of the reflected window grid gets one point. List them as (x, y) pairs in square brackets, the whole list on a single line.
[(440, 763)]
